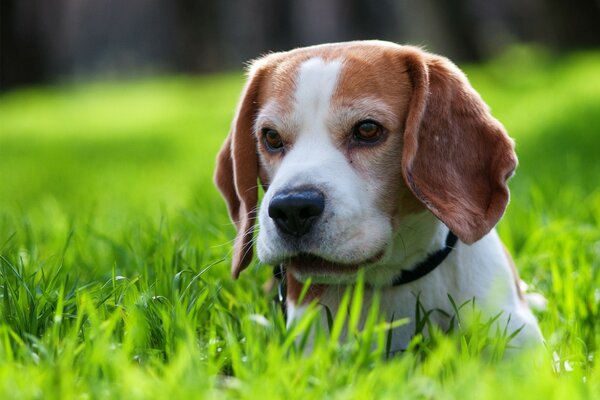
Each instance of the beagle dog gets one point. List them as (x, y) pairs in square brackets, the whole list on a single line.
[(378, 157)]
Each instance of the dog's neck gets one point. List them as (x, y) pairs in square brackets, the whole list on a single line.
[(417, 236)]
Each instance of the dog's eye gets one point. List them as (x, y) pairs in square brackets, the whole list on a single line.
[(367, 131), (272, 139)]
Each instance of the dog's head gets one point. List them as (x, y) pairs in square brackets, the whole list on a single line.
[(347, 139)]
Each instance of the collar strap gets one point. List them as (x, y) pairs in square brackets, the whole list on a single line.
[(429, 264), (279, 274), (406, 276)]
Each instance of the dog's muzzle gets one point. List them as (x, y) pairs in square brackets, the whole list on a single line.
[(295, 211)]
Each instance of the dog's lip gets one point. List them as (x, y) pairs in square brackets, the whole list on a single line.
[(311, 264)]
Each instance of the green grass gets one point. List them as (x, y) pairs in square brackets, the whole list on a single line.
[(114, 277)]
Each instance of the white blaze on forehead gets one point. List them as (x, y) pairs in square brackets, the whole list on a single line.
[(315, 85)]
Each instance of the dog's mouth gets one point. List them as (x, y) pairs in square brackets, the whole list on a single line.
[(310, 264)]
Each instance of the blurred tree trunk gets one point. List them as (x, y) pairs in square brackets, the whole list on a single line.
[(576, 21), (24, 46), (462, 28), (319, 21), (198, 37)]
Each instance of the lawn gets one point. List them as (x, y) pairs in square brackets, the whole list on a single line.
[(114, 246)]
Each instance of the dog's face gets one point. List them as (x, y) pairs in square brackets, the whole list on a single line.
[(348, 139), (329, 141)]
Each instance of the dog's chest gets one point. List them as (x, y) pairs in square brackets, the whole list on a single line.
[(409, 303), (470, 274)]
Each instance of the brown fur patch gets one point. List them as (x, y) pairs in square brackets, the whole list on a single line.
[(236, 171), (373, 72), (457, 157), (294, 289)]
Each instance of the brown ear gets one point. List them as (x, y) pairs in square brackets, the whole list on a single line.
[(456, 158), (237, 172)]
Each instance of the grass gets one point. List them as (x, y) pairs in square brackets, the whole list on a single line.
[(114, 246)]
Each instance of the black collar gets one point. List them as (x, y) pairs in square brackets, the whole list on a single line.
[(406, 276), (428, 264)]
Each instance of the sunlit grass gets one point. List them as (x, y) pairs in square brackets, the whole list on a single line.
[(114, 277)]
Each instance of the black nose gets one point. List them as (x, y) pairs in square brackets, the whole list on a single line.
[(295, 211)]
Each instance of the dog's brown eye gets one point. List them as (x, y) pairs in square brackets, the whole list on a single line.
[(367, 131), (272, 139)]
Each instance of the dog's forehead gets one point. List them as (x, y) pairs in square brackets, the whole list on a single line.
[(352, 71)]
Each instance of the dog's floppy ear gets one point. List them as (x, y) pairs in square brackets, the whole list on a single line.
[(456, 158), (237, 172)]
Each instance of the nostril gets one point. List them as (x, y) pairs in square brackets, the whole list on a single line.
[(276, 213), (305, 213)]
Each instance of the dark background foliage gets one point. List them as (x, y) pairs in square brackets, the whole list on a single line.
[(64, 40)]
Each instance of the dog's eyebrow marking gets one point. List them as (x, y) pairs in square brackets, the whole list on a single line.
[(348, 112), (274, 115), (315, 85)]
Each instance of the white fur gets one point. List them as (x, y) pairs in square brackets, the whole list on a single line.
[(352, 229), (294, 312)]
